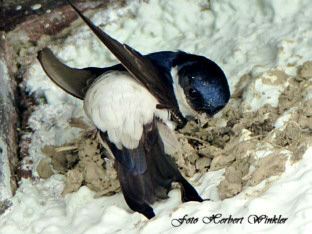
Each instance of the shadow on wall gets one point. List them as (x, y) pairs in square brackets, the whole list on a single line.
[(14, 12), (8, 125)]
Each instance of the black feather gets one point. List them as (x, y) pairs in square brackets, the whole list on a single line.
[(146, 173)]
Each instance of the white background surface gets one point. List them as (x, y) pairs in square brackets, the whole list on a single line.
[(241, 36)]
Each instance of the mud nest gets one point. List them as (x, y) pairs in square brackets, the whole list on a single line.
[(249, 144)]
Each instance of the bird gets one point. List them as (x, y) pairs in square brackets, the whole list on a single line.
[(136, 105)]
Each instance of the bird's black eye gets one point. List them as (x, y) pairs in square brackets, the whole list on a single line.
[(193, 93)]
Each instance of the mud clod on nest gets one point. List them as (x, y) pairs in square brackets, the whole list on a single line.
[(84, 163)]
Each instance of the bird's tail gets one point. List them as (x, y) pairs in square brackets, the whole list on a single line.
[(148, 173)]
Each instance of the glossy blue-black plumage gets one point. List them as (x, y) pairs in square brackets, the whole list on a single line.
[(203, 81)]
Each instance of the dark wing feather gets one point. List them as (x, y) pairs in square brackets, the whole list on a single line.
[(137, 190), (73, 81), (139, 66)]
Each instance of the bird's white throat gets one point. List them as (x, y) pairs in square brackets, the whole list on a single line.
[(184, 107)]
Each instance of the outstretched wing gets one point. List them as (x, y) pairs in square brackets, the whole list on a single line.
[(73, 81), (141, 68)]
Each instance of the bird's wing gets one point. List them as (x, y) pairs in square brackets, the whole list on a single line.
[(73, 81), (141, 68)]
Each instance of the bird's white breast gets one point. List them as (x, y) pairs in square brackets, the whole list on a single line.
[(119, 105)]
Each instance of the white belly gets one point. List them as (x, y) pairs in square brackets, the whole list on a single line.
[(120, 106)]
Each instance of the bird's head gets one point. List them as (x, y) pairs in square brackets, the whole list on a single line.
[(200, 85)]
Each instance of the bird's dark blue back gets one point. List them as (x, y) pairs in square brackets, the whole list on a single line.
[(163, 60)]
